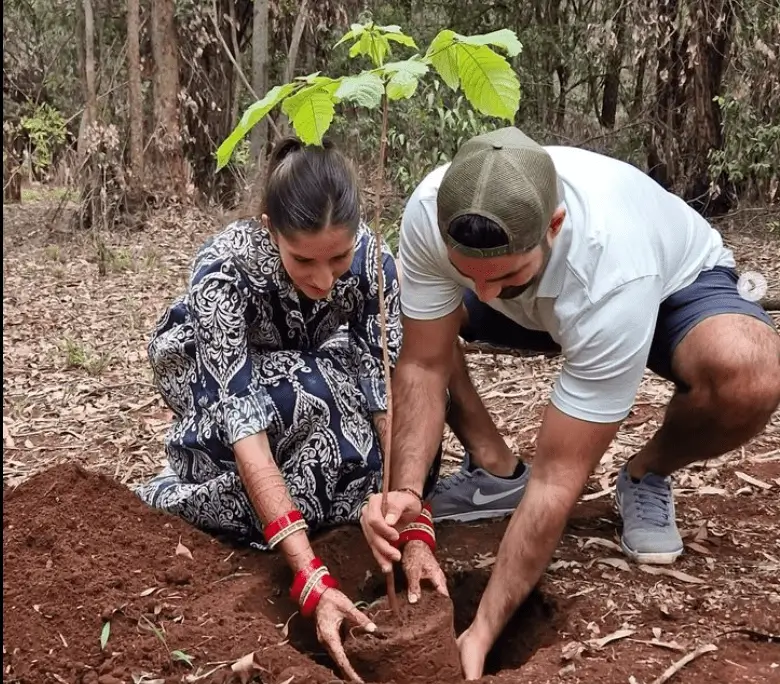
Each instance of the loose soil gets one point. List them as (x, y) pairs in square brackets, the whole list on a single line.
[(423, 632), (81, 551)]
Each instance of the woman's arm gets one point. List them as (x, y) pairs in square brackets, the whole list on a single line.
[(269, 496)]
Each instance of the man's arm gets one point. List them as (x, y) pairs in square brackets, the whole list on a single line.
[(419, 397), (567, 451), (606, 347)]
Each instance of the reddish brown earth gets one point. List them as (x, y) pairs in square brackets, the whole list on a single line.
[(424, 633), (80, 550)]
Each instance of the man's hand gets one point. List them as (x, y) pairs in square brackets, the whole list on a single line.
[(333, 608), (473, 652), (381, 531), (419, 564)]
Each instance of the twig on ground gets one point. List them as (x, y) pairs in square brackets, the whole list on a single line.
[(682, 662)]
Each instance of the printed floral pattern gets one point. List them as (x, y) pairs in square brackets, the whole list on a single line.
[(240, 353)]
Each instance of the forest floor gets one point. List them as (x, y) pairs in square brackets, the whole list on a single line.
[(82, 423)]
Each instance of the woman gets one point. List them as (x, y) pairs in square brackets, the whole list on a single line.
[(272, 365)]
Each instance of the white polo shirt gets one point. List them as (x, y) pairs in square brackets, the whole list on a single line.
[(625, 245)]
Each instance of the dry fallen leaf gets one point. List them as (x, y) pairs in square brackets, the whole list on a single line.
[(699, 548), (598, 541), (619, 563), (752, 480), (657, 632), (245, 667), (182, 550), (288, 680), (148, 591), (620, 634), (668, 572), (572, 650)]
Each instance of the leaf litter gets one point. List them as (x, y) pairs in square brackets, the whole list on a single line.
[(77, 388)]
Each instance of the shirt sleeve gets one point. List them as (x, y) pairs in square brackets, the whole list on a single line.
[(426, 291), (367, 330), (606, 350), (221, 312)]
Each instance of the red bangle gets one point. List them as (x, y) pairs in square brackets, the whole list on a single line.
[(421, 529), (418, 535), (283, 527), (299, 581), (312, 598)]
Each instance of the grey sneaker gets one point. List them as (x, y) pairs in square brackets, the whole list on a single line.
[(650, 533), (476, 494)]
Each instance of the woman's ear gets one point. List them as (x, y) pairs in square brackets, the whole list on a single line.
[(267, 225)]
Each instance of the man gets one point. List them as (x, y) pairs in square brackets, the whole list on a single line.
[(567, 249)]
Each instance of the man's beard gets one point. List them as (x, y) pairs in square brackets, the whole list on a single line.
[(516, 290)]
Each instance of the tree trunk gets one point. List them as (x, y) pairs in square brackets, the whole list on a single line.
[(168, 142), (711, 34), (610, 98), (90, 86), (135, 97), (260, 74)]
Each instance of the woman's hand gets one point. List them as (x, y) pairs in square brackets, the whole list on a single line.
[(419, 564), (334, 607)]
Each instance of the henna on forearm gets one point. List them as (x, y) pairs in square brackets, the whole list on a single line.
[(379, 419), (268, 494)]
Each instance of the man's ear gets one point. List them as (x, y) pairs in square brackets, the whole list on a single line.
[(556, 222)]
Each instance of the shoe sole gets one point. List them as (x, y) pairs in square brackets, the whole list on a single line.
[(471, 516), (658, 558), (655, 558)]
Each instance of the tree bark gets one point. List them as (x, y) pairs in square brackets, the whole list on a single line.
[(609, 101), (90, 86), (260, 73), (711, 34), (165, 83), (135, 97)]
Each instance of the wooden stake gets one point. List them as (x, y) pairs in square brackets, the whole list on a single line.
[(385, 438)]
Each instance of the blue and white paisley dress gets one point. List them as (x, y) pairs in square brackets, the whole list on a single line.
[(240, 353)]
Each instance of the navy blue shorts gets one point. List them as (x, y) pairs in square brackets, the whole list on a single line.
[(713, 292)]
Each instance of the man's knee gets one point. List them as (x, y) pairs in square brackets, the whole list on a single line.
[(735, 367)]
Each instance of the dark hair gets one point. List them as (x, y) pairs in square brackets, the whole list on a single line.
[(309, 187), (473, 230)]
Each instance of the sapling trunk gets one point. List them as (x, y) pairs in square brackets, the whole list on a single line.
[(386, 437)]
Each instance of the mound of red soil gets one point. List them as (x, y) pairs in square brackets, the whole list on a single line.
[(423, 632), (100, 589)]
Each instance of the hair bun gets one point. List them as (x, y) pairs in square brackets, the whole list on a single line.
[(284, 148)]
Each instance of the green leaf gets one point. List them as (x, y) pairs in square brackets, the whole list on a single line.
[(184, 657), (505, 39), (365, 90), (489, 82), (355, 31), (252, 115), (442, 53), (390, 28), (311, 111), (414, 66), (401, 85), (104, 634), (401, 38)]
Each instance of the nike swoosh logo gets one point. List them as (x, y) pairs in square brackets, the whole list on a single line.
[(480, 499)]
